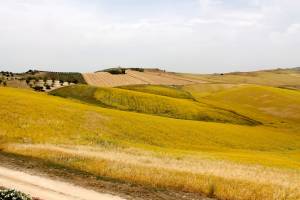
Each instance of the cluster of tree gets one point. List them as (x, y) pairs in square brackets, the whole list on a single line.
[(35, 78), (120, 70), (7, 73), (39, 88), (71, 77), (3, 82), (32, 72), (137, 69)]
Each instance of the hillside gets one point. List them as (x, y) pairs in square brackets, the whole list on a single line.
[(142, 102), (150, 150), (168, 91), (269, 105), (286, 78), (73, 77), (133, 77)]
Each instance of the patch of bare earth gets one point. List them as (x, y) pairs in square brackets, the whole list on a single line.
[(85, 180), (105, 79)]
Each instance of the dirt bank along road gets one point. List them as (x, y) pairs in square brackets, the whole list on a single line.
[(48, 189)]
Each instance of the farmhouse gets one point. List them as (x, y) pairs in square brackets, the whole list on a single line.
[(66, 84), (56, 84), (49, 82), (40, 83)]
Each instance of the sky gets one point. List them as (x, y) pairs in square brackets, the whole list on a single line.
[(199, 36)]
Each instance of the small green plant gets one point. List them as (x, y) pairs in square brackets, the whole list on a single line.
[(13, 195), (211, 190)]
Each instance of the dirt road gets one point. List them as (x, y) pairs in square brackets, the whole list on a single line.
[(48, 189)]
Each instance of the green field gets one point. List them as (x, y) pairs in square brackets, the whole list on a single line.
[(169, 91), (141, 102), (229, 160)]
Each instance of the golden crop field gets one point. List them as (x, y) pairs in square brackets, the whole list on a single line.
[(225, 160), (269, 105), (278, 78)]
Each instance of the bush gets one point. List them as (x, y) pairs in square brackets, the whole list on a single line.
[(138, 69), (38, 88), (13, 195), (120, 70), (115, 71)]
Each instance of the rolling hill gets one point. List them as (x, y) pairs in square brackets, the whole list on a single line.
[(269, 105), (168, 91), (155, 151), (286, 78), (148, 103), (232, 136), (133, 77)]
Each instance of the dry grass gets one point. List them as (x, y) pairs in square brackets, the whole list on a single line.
[(275, 78), (190, 173), (272, 106)]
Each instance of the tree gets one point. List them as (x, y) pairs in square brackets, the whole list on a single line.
[(38, 88)]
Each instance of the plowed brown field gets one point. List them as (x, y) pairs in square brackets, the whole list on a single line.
[(105, 79)]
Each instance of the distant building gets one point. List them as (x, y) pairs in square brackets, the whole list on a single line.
[(40, 83), (49, 83), (56, 84), (31, 83), (66, 84)]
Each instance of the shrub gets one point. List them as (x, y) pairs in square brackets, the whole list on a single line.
[(211, 190), (114, 71), (13, 195), (38, 88), (120, 70), (138, 69)]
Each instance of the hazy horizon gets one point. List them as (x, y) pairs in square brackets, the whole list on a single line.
[(196, 36), (57, 69)]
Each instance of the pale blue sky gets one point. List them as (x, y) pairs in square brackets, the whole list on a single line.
[(199, 36)]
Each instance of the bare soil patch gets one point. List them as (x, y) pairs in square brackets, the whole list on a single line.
[(86, 180)]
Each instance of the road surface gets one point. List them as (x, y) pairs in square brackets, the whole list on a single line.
[(46, 188)]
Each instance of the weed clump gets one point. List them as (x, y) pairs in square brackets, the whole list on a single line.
[(13, 195)]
